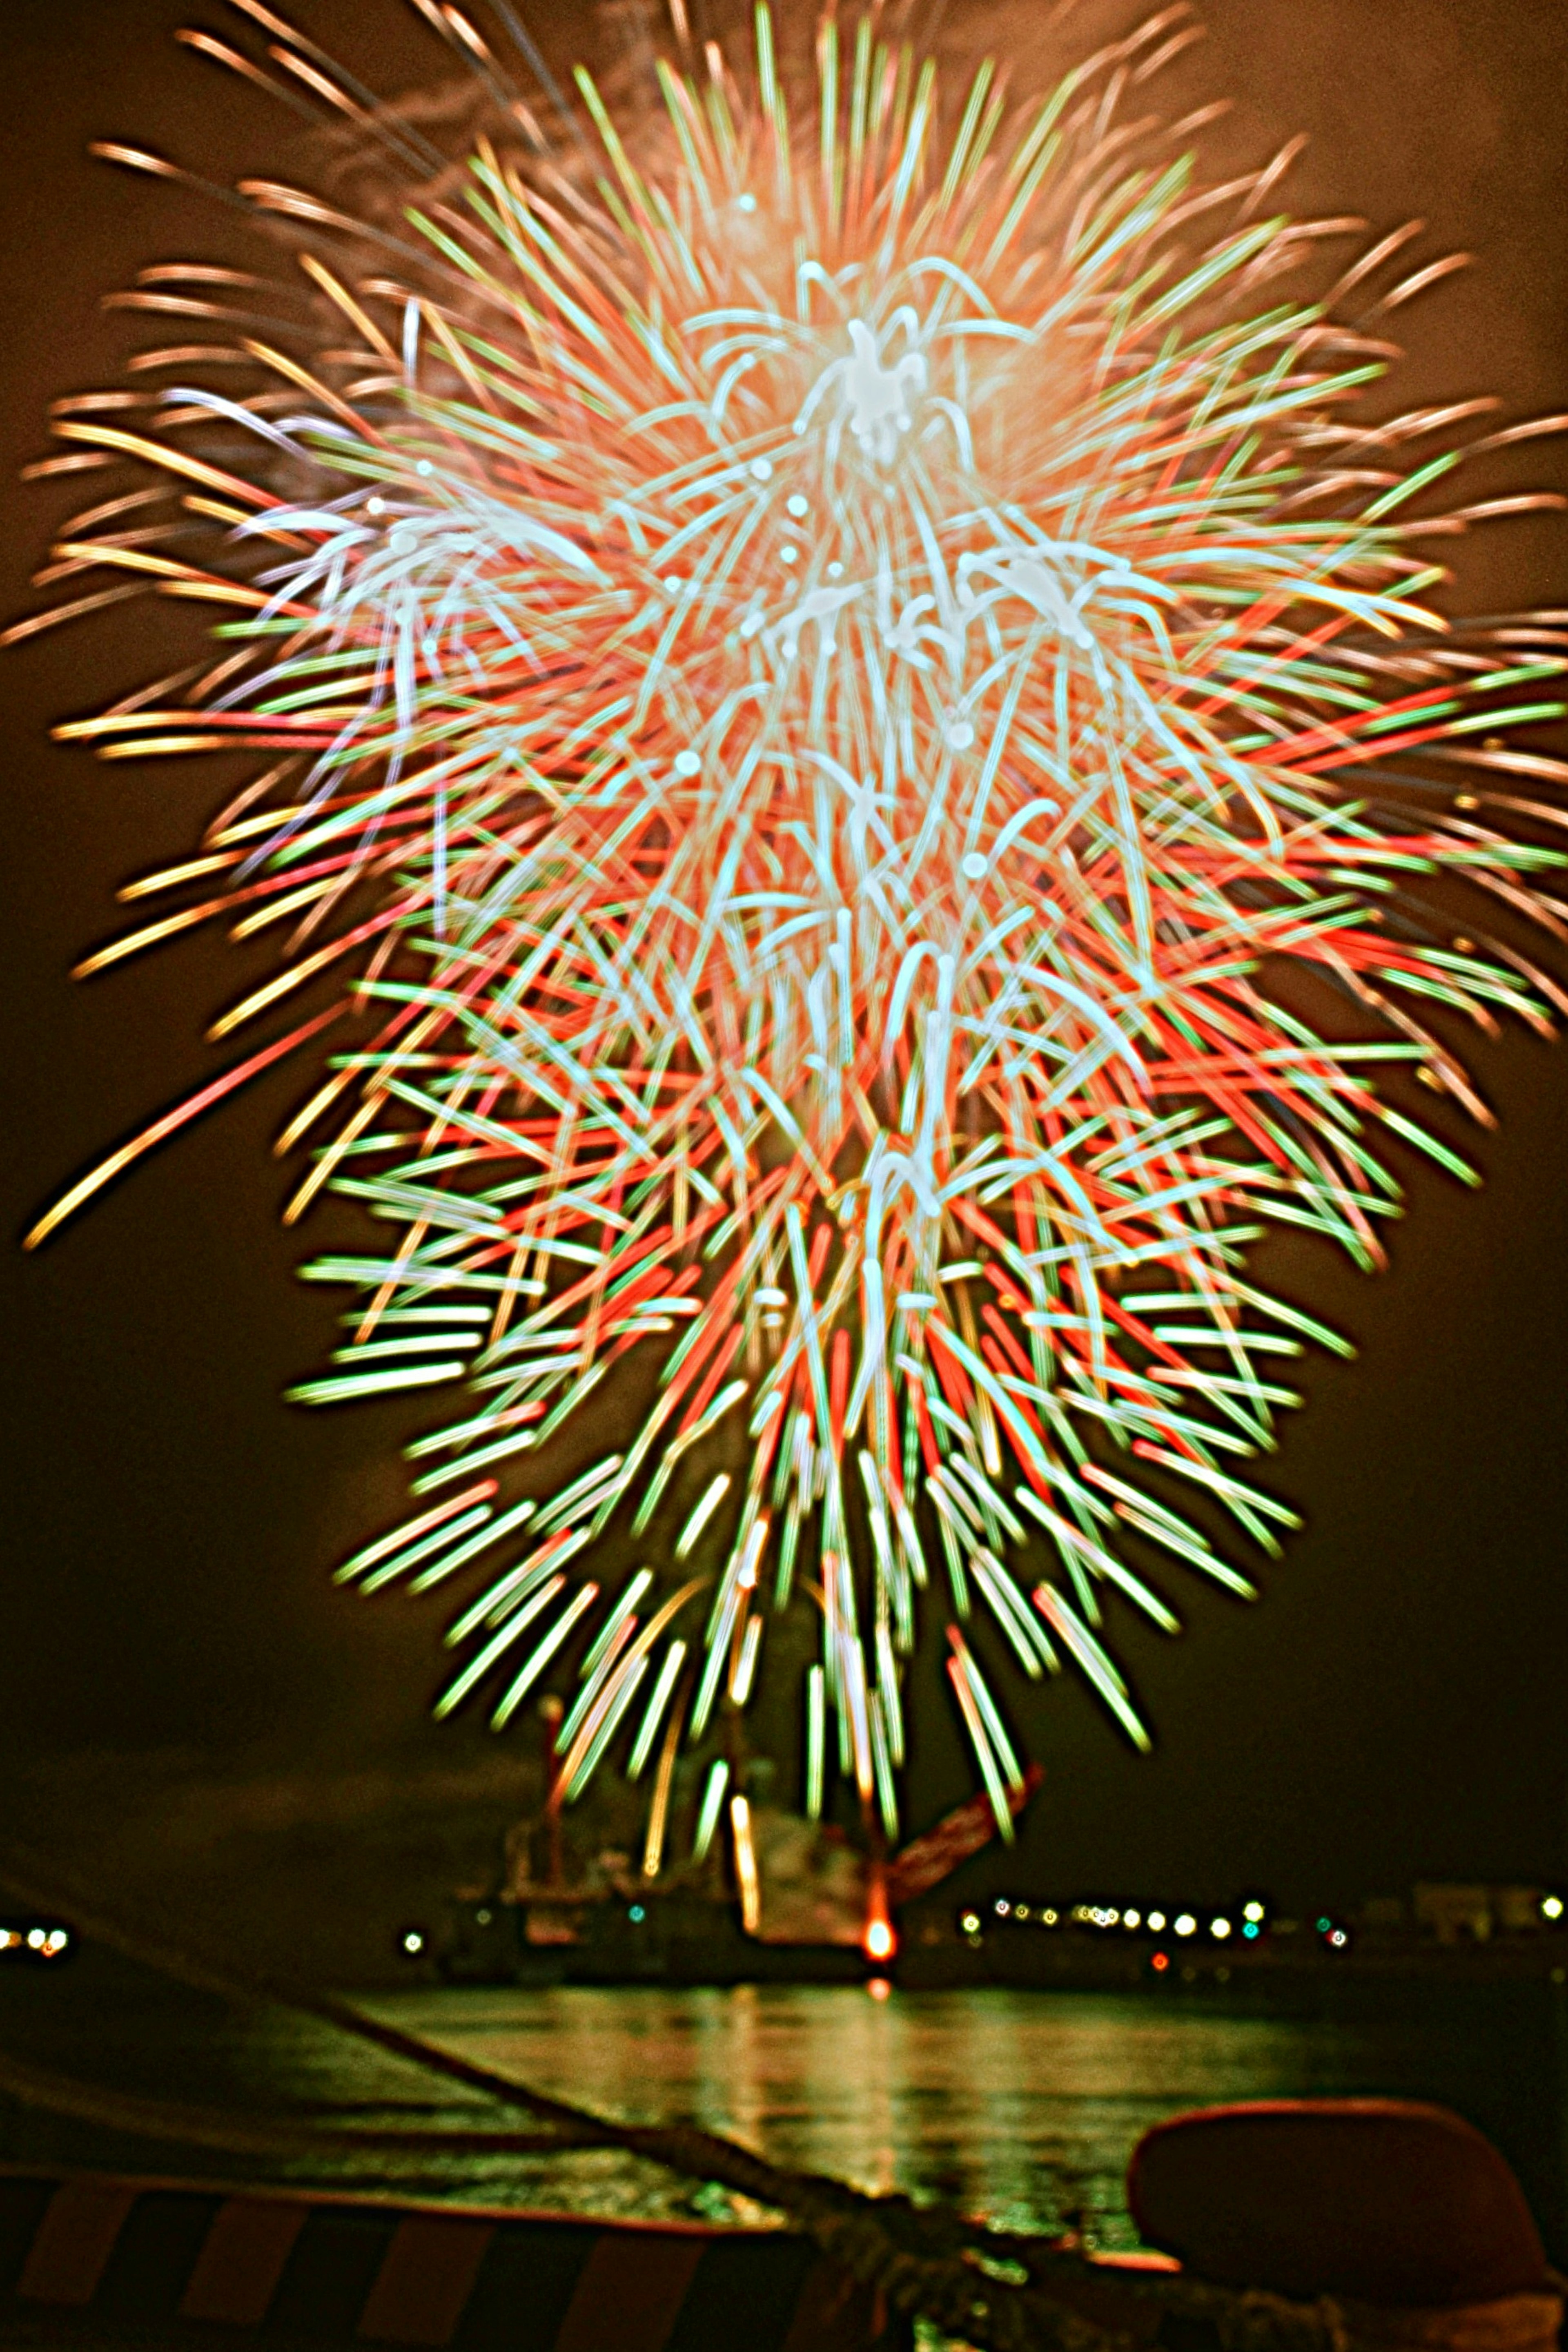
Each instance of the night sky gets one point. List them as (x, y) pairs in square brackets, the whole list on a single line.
[(186, 1702)]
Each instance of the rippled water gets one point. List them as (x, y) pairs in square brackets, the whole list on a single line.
[(1022, 2106)]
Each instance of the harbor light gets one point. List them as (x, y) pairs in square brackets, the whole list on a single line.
[(42, 1943), (1186, 1924), (879, 1937), (1552, 1907), (1157, 1922), (412, 1941), (1132, 1919), (1253, 1913), (1219, 1930)]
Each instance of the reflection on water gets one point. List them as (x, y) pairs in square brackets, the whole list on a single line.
[(1022, 2106)]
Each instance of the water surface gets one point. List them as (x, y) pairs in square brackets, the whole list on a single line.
[(1024, 2106)]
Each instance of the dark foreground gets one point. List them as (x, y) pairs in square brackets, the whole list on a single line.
[(90, 2260), (1020, 2106)]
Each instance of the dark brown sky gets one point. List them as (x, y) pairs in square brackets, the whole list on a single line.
[(1395, 1708)]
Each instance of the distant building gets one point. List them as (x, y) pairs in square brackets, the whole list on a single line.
[(1458, 1914), (1517, 1909)]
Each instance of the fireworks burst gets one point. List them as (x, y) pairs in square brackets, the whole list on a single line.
[(852, 694)]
